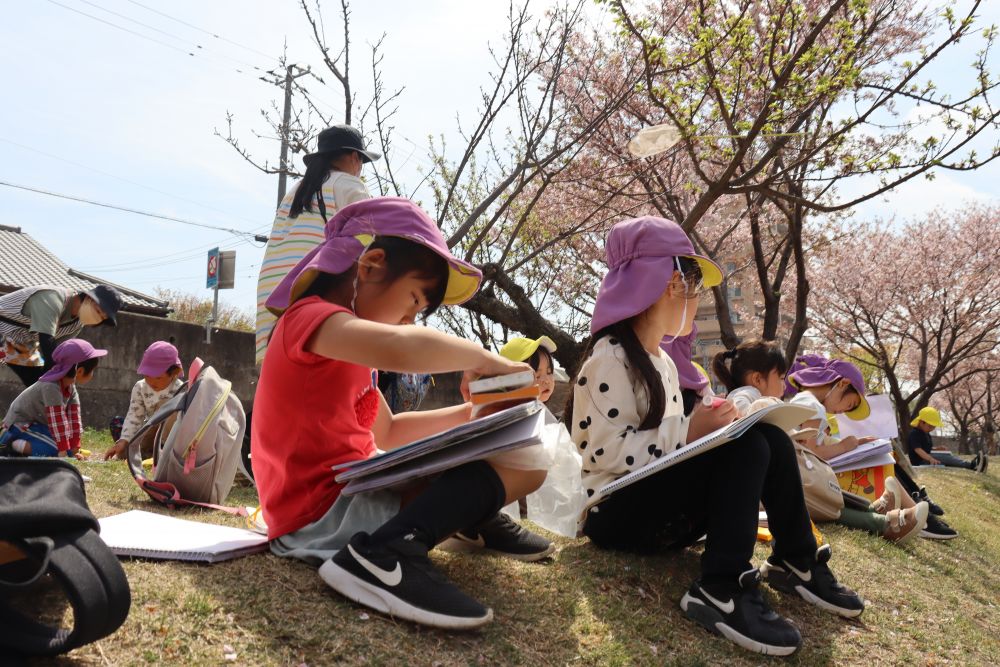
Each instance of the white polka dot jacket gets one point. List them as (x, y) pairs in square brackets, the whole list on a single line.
[(608, 405)]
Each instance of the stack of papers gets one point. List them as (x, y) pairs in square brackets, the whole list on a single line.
[(519, 426), (869, 455)]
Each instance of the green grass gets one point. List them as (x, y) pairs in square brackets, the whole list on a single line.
[(929, 603)]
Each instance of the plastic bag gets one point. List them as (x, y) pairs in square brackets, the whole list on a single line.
[(557, 504)]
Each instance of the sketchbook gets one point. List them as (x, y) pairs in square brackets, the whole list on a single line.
[(783, 415), (868, 455), (147, 535), (478, 444)]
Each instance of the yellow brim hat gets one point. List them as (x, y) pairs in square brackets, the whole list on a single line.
[(711, 274), (521, 349)]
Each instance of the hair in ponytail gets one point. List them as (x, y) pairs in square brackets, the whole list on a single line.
[(640, 365), (755, 356), (317, 171)]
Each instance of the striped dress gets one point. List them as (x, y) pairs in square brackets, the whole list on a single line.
[(292, 238)]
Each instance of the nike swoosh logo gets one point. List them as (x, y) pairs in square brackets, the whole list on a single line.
[(387, 577), (804, 576), (479, 541), (727, 607)]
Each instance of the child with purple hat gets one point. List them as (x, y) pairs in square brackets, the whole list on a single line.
[(627, 410), (348, 308), (161, 370), (44, 420)]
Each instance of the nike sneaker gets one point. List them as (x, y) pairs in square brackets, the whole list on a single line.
[(501, 535), (937, 529), (739, 613), (397, 578), (816, 585)]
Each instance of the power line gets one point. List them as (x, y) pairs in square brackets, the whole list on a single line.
[(124, 180), (207, 32), (236, 232)]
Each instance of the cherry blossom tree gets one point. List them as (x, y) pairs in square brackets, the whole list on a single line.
[(921, 301)]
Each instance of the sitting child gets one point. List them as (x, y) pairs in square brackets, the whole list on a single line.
[(44, 420), (837, 387), (348, 307), (755, 374), (161, 371)]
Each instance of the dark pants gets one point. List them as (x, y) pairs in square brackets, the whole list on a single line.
[(715, 494), (948, 460), (27, 374)]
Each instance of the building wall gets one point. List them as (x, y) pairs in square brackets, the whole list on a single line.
[(231, 353)]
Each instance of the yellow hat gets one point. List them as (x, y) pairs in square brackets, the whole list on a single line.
[(834, 426), (700, 369), (521, 349), (927, 415)]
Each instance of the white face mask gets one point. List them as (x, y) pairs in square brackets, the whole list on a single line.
[(684, 311), (89, 314)]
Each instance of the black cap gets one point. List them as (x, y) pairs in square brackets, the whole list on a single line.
[(338, 138), (110, 301)]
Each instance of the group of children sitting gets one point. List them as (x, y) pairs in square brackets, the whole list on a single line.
[(351, 306)]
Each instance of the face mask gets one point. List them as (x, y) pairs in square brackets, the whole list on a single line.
[(88, 314), (684, 311)]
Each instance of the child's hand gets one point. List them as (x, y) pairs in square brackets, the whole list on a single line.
[(116, 450), (493, 364), (851, 442), (704, 420)]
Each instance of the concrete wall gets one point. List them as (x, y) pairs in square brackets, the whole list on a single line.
[(107, 395)]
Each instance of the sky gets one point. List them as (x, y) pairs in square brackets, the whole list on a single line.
[(124, 115)]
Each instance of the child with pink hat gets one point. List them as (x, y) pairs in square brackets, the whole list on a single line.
[(627, 409), (44, 420), (347, 308), (161, 370)]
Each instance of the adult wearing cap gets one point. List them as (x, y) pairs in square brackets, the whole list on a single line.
[(44, 420), (34, 319), (332, 180), (921, 446)]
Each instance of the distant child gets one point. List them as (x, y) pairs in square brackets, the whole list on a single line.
[(627, 411), (332, 180), (161, 372), (347, 308), (834, 386), (751, 371), (921, 445), (44, 420)]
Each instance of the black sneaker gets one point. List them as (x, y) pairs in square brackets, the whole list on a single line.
[(937, 529), (818, 585), (983, 462), (739, 613), (398, 579), (922, 497), (501, 535)]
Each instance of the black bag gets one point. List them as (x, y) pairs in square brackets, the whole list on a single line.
[(46, 524)]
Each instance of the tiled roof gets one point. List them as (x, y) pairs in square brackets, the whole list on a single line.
[(25, 262)]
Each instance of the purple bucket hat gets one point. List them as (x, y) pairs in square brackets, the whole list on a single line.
[(679, 350), (352, 230), (813, 370), (640, 256), (158, 358), (67, 354)]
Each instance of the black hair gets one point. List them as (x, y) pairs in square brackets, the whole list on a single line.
[(639, 363), (754, 356), (535, 360), (317, 171), (87, 367), (402, 256), (173, 369)]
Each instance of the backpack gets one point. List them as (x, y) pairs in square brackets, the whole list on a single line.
[(46, 528), (196, 456), (404, 391)]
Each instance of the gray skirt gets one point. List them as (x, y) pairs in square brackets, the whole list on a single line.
[(321, 539)]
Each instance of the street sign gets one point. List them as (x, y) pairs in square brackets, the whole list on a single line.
[(212, 276), (227, 269)]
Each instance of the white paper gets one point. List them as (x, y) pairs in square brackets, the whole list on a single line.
[(881, 423)]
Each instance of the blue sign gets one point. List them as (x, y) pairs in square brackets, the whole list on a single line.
[(212, 279)]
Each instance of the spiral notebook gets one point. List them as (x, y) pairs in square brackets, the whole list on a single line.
[(147, 535), (784, 415)]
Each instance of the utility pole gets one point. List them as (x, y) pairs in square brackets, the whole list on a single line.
[(286, 119)]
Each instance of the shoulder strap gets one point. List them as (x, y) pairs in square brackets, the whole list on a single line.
[(94, 582), (320, 201)]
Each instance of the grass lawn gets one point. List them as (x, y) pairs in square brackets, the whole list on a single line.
[(929, 603)]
